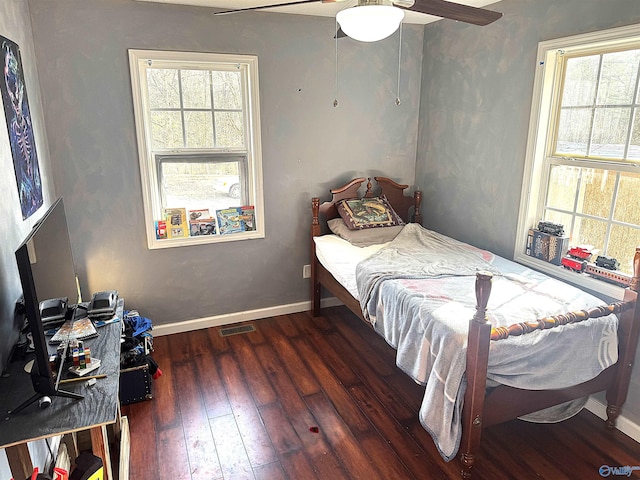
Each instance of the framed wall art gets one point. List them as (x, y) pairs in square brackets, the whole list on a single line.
[(20, 128)]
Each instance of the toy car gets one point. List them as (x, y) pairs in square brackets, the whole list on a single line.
[(574, 264), (582, 253), (551, 228), (607, 262)]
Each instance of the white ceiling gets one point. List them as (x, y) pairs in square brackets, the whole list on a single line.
[(315, 8)]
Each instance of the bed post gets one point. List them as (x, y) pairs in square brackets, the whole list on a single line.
[(417, 200), (477, 361), (315, 283), (628, 331)]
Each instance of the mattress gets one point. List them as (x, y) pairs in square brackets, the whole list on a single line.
[(340, 258)]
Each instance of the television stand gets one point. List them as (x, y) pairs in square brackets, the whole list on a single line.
[(93, 414), (43, 391), (43, 388)]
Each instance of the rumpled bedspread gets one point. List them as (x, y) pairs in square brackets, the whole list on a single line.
[(419, 294)]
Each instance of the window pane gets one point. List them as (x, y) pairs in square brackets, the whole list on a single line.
[(200, 185), (227, 94), (166, 130), (610, 127), (596, 192), (580, 81), (199, 129), (634, 147), (163, 88), (573, 131), (563, 183), (196, 92), (589, 232), (618, 77), (622, 245), (627, 207), (229, 129)]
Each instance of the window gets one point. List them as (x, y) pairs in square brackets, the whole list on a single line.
[(197, 122), (583, 156)]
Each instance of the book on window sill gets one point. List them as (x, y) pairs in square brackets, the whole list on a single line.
[(202, 226), (202, 213), (248, 217), (229, 220), (177, 225), (80, 329)]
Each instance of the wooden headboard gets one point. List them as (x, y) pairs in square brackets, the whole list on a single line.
[(394, 192)]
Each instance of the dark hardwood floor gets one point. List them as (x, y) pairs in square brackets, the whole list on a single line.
[(247, 407)]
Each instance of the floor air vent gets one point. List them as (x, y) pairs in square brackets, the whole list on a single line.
[(228, 331)]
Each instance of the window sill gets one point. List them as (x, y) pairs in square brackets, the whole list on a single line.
[(154, 243), (578, 279)]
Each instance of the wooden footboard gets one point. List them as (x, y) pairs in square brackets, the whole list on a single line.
[(505, 403)]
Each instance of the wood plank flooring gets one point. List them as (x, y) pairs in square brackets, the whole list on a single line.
[(247, 407)]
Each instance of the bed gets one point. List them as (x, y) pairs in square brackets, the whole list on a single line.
[(535, 349)]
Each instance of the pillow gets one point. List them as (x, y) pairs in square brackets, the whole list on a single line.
[(365, 237), (359, 213)]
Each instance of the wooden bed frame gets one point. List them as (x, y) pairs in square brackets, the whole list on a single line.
[(500, 404)]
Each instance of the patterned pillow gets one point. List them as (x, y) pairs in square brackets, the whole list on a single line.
[(359, 213)]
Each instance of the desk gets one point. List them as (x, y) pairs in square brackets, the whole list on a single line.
[(98, 408)]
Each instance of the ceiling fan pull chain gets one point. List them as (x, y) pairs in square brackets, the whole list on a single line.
[(399, 62), (335, 100)]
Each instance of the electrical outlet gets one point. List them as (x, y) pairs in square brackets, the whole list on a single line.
[(306, 271)]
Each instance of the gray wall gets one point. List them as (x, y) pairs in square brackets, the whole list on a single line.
[(16, 26), (474, 112), (308, 145), (474, 117)]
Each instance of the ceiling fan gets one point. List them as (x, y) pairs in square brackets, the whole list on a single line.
[(373, 20)]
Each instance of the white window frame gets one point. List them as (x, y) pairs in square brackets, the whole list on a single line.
[(248, 65), (542, 119)]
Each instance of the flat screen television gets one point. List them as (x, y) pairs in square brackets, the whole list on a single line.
[(46, 268)]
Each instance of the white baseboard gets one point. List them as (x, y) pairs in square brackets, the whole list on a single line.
[(623, 424), (238, 317)]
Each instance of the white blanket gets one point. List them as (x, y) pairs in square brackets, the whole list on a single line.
[(423, 299)]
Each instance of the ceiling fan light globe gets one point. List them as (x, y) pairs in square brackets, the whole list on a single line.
[(370, 23)]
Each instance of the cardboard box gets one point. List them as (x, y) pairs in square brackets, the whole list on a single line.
[(547, 247)]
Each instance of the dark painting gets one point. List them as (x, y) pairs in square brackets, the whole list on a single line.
[(21, 137)]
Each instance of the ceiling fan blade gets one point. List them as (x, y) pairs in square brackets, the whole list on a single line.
[(455, 11), (262, 7)]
